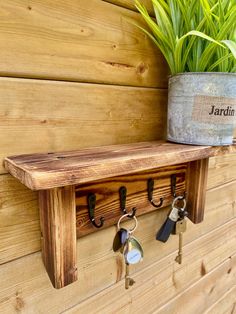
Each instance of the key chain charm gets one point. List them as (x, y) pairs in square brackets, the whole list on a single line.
[(129, 246), (167, 228)]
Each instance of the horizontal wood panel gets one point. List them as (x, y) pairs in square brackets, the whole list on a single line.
[(19, 227), (205, 292), (167, 282), (222, 169), (45, 116), (164, 278), (19, 218), (225, 304), (25, 286), (73, 41)]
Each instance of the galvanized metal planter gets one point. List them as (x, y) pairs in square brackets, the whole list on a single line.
[(202, 108)]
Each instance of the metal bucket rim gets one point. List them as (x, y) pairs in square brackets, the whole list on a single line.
[(202, 73)]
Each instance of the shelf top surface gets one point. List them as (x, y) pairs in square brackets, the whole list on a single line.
[(51, 170)]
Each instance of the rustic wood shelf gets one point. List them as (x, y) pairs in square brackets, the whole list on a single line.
[(65, 179), (51, 170)]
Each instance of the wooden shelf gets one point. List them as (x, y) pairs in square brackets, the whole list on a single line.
[(65, 180), (52, 170)]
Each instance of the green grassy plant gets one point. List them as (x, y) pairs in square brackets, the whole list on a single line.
[(194, 35)]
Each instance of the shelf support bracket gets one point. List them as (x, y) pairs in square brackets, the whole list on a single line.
[(197, 173), (58, 234)]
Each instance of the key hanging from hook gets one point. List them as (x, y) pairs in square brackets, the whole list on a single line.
[(150, 194), (123, 193), (91, 199)]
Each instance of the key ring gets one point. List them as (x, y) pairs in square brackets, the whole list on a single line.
[(128, 215), (179, 198)]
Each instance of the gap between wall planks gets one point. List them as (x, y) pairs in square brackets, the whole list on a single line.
[(44, 171), (36, 293), (18, 296), (203, 259), (206, 291), (74, 42), (222, 197), (57, 205), (225, 304), (44, 115), (19, 227), (166, 281)]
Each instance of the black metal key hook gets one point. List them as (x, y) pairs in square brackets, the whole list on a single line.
[(150, 194), (123, 193), (173, 187), (91, 199)]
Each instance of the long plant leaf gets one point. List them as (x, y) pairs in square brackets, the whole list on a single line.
[(193, 35), (178, 49), (231, 45), (219, 61)]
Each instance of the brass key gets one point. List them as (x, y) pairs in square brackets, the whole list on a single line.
[(133, 254), (131, 249), (128, 281), (180, 228)]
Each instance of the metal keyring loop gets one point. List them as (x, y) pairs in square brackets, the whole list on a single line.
[(179, 198), (126, 215)]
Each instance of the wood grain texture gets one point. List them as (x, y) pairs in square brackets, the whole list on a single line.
[(225, 304), (47, 116), (58, 235), (24, 286), (205, 292), (107, 196), (222, 169), (50, 170), (196, 189), (19, 218), (74, 42), (167, 280), (26, 280)]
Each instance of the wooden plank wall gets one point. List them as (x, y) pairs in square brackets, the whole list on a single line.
[(76, 74)]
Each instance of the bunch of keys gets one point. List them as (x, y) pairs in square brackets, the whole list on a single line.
[(129, 246), (176, 222)]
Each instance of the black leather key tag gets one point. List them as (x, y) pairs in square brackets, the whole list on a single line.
[(164, 233)]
